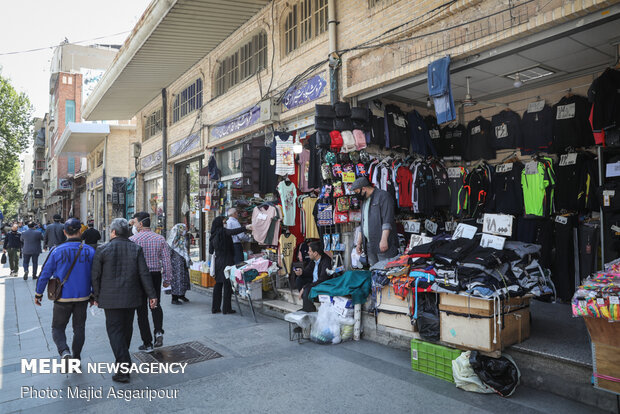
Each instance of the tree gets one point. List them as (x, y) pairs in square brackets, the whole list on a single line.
[(15, 134)]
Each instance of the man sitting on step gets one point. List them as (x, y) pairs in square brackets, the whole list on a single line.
[(313, 274)]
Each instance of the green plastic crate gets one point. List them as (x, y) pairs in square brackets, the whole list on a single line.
[(431, 359)]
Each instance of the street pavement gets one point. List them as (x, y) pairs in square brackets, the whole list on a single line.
[(260, 370)]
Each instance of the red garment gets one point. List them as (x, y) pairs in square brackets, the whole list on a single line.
[(337, 142), (599, 137), (404, 178)]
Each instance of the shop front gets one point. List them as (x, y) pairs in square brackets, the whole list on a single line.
[(188, 208), (154, 199)]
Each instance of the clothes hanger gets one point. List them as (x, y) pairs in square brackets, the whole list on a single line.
[(513, 157)]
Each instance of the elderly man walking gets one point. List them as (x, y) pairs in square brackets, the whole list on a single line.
[(121, 280), (157, 255), (12, 246), (54, 233)]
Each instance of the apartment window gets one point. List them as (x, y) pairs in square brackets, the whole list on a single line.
[(152, 125), (187, 101), (69, 80), (69, 111), (305, 21), (245, 62), (71, 165), (99, 158), (64, 79)]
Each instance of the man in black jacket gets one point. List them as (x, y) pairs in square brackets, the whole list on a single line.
[(121, 279), (54, 234), (12, 246), (315, 272), (91, 235)]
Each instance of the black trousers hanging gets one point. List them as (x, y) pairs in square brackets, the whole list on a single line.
[(588, 248), (563, 274), (216, 306)]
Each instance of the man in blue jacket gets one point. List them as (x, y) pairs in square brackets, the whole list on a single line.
[(76, 292)]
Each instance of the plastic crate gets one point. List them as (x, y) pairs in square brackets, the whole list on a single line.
[(195, 277), (431, 359), (207, 280)]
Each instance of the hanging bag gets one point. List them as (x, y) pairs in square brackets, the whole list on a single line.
[(54, 286), (3, 260)]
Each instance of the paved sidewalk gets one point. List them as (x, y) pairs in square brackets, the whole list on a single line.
[(260, 370)]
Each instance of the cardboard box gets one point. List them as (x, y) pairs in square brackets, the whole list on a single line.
[(395, 320), (478, 332), (342, 302), (471, 305), (344, 312), (387, 300)]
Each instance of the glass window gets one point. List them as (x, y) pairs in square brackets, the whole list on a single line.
[(229, 161), (188, 205), (187, 101), (154, 203), (152, 125), (244, 63), (71, 165), (69, 111), (306, 20)]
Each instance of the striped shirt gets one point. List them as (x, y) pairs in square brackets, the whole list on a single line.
[(156, 252)]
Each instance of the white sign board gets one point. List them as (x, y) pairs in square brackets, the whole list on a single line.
[(430, 226), (612, 170), (499, 224), (494, 242), (464, 231)]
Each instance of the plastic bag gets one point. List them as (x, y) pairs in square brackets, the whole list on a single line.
[(326, 329), (428, 316), (464, 376), (501, 374)]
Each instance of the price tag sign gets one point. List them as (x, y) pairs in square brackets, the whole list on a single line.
[(535, 106), (612, 170), (475, 130), (454, 172), (504, 168), (451, 226), (348, 177), (614, 300), (600, 301), (499, 224), (531, 168), (561, 219), (430, 226), (411, 226), (568, 159), (464, 231), (494, 242)]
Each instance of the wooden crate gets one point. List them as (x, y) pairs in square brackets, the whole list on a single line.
[(396, 320), (605, 338), (471, 305), (477, 332), (206, 280)]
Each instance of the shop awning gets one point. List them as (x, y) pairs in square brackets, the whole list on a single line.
[(169, 39), (81, 137), (576, 48)]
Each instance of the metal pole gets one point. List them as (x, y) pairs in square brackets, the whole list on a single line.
[(333, 58), (164, 156), (103, 176)]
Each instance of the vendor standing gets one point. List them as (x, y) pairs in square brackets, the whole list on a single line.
[(231, 224), (379, 238)]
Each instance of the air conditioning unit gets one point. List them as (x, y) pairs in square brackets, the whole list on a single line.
[(136, 149), (269, 111)]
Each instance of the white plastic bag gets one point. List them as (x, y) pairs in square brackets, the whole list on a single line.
[(464, 376), (326, 329)]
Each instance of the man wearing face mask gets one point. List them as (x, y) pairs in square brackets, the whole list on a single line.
[(157, 255), (379, 240)]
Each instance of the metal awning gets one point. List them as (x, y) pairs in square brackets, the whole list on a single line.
[(81, 137), (171, 36)]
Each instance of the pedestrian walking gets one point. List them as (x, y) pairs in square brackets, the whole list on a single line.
[(72, 262), (31, 242), (221, 244), (12, 247), (54, 233), (157, 255), (180, 261), (121, 281), (91, 236)]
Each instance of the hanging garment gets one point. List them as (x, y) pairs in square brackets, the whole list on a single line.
[(506, 129), (453, 140), (604, 93), (571, 127), (266, 224), (588, 248), (441, 188), (286, 250), (396, 126), (575, 181), (563, 274), (420, 139), (507, 192), (478, 186), (479, 140), (534, 183), (404, 179), (310, 227), (438, 75), (288, 197), (537, 130), (267, 172), (285, 157), (458, 195), (377, 124)]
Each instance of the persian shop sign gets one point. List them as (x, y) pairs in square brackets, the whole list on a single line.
[(304, 92), (237, 123)]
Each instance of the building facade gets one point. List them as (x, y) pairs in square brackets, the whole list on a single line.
[(213, 91)]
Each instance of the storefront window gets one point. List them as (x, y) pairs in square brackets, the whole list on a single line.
[(154, 203), (229, 161), (188, 205)]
